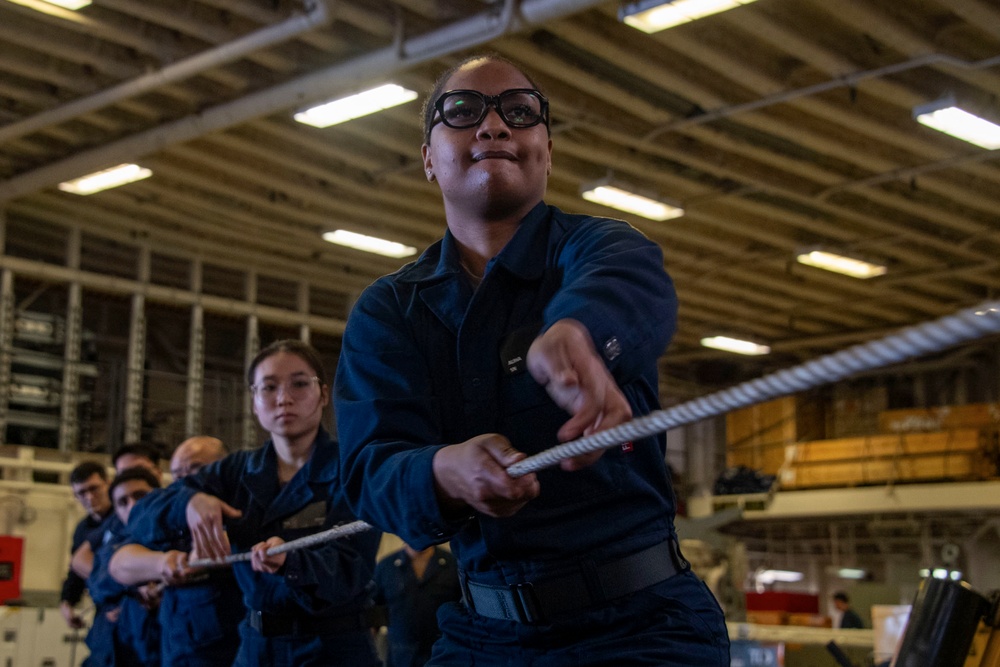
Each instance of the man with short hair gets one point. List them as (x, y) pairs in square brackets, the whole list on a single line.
[(114, 614), (89, 482), (125, 631), (849, 618), (194, 454), (138, 454), (200, 611)]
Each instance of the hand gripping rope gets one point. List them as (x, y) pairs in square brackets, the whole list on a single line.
[(933, 336), (309, 540)]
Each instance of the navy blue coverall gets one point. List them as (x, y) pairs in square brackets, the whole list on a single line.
[(134, 639), (428, 361), (199, 620), (411, 603), (311, 611)]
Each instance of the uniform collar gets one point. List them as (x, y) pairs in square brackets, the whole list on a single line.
[(319, 470), (521, 256), (438, 273), (524, 255)]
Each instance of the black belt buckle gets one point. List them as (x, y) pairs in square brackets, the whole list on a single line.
[(527, 603)]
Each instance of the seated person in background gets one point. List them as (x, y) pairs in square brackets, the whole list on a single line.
[(130, 612), (89, 482), (849, 618), (200, 611), (411, 585)]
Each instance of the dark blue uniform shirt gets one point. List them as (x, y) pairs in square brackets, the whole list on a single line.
[(412, 603), (134, 639), (198, 620), (328, 580), (75, 585), (427, 361)]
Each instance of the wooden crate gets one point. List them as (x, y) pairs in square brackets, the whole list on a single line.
[(915, 468), (767, 617), (886, 446), (810, 620), (756, 436), (974, 415), (854, 409)]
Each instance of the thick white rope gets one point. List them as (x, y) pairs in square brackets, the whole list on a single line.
[(929, 337), (309, 540), (913, 341)]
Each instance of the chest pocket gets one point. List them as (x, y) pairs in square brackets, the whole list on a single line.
[(519, 392), (310, 519)]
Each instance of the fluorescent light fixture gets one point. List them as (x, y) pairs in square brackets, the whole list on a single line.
[(606, 193), (736, 345), (40, 5), (771, 576), (852, 573), (369, 244), (654, 15), (105, 180), (848, 266), (944, 116), (69, 4), (355, 106)]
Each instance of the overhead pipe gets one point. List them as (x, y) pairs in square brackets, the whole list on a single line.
[(464, 34), (315, 15), (839, 82)]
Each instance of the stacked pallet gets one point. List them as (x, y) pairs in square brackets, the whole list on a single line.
[(959, 454), (947, 443), (757, 436)]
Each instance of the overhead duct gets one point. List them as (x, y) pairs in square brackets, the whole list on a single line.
[(314, 16), (318, 85)]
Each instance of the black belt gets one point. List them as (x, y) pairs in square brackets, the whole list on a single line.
[(541, 601), (274, 625)]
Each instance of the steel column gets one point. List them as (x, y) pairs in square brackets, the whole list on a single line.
[(136, 354), (69, 414), (7, 316), (252, 347), (196, 359)]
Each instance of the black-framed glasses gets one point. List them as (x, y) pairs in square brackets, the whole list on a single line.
[(518, 107)]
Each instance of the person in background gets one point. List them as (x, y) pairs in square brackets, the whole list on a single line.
[(304, 607), (132, 628), (200, 611), (89, 482), (194, 454), (134, 455), (524, 327), (411, 585), (138, 454), (849, 618)]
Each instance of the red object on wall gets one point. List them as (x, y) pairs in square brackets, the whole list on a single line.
[(795, 603), (11, 553)]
